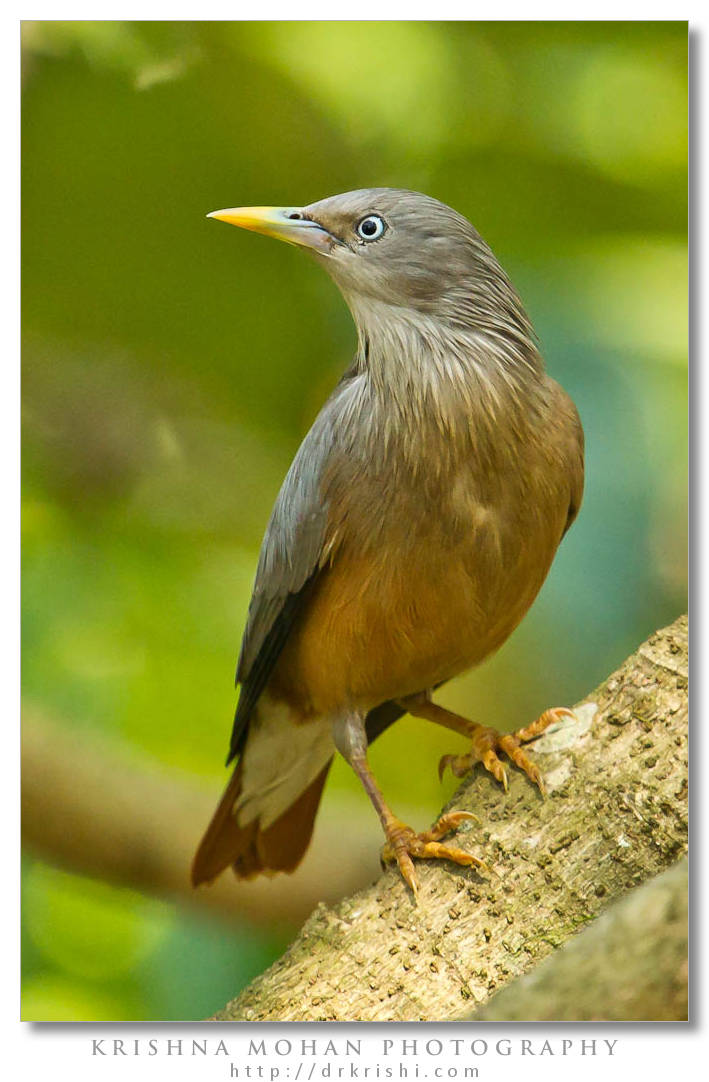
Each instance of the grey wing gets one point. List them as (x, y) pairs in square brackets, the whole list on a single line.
[(295, 546)]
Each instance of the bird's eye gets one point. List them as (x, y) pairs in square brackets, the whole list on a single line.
[(371, 228)]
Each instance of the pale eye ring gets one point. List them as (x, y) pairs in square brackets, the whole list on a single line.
[(371, 228)]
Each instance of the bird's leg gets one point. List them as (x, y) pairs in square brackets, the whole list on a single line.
[(402, 843), (486, 742)]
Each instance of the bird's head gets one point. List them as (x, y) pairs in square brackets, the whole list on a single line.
[(391, 250)]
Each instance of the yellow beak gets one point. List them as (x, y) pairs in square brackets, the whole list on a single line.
[(284, 223)]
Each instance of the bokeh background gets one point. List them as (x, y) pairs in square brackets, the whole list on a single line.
[(172, 365)]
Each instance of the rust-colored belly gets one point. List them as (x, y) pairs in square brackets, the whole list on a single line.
[(411, 612)]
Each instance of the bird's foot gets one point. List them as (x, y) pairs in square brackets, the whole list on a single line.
[(486, 743), (403, 843)]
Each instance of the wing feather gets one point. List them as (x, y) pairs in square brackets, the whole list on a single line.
[(297, 543)]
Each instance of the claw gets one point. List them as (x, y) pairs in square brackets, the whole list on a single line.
[(487, 743), (491, 762), (446, 825), (443, 762), (455, 818), (537, 727), (402, 844), (406, 867), (459, 765)]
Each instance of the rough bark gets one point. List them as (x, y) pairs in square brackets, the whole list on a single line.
[(616, 815), (630, 964)]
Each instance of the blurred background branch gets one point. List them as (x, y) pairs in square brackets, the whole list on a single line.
[(100, 813)]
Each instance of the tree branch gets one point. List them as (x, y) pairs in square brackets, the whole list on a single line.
[(630, 964), (615, 816), (100, 812)]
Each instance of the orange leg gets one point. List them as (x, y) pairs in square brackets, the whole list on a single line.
[(486, 742), (402, 843)]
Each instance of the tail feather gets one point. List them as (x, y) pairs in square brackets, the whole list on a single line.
[(249, 849)]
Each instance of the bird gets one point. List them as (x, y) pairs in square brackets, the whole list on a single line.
[(413, 530)]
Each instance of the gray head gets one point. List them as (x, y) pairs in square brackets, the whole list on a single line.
[(400, 257)]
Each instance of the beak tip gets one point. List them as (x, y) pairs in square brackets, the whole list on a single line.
[(283, 223)]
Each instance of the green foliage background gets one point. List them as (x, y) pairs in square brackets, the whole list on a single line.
[(172, 365)]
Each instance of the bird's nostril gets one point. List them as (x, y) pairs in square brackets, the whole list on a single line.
[(296, 215)]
